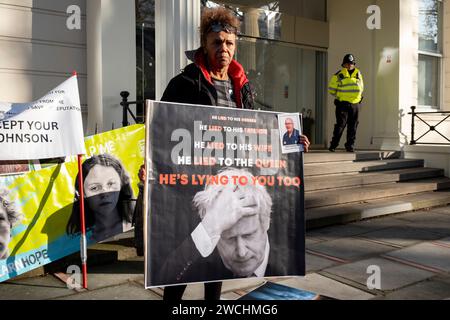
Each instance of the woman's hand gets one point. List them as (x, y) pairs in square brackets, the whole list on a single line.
[(305, 142)]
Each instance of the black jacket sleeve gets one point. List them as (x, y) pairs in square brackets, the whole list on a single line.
[(178, 264), (176, 90)]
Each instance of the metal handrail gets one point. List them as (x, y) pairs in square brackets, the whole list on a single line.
[(431, 128), (126, 108)]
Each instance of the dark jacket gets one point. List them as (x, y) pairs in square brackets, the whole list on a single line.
[(138, 221), (194, 84)]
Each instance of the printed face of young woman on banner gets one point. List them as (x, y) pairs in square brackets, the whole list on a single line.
[(9, 216), (5, 230), (102, 187)]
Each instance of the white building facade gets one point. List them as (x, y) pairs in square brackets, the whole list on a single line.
[(290, 48)]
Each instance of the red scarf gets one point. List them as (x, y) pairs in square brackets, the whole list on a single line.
[(235, 72)]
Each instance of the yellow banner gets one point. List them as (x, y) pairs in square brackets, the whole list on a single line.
[(39, 216)]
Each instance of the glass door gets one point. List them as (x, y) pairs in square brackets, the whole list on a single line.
[(287, 78), (145, 54)]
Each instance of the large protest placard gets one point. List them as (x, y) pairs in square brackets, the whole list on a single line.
[(39, 214), (223, 202), (50, 127)]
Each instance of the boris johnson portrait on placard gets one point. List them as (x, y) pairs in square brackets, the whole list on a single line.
[(223, 201)]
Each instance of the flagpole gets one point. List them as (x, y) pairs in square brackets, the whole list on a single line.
[(83, 242)]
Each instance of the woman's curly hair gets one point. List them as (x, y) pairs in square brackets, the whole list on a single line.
[(216, 15)]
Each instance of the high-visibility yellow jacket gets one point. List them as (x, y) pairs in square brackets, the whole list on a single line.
[(345, 87)]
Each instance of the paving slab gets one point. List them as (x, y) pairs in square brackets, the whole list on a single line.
[(157, 290), (327, 287), (126, 291), (316, 263), (393, 275), (442, 210), (242, 284), (230, 296), (428, 221), (433, 289), (422, 215), (350, 248), (382, 222), (401, 236), (39, 288), (115, 274), (444, 241), (196, 291), (309, 241), (336, 232), (425, 254)]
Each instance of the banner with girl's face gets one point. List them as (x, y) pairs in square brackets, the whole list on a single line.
[(39, 210)]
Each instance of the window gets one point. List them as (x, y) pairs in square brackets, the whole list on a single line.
[(145, 53), (315, 10), (285, 76), (430, 25), (430, 52), (429, 74)]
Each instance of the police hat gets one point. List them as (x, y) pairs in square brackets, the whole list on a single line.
[(348, 58)]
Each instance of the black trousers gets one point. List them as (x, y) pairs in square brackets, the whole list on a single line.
[(175, 293), (346, 116)]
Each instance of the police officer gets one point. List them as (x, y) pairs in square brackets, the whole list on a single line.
[(347, 87)]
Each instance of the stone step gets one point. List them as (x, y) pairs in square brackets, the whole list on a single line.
[(340, 214), (122, 252), (319, 156), (323, 198), (313, 183), (359, 166)]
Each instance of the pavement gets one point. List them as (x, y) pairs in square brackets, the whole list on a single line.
[(410, 252)]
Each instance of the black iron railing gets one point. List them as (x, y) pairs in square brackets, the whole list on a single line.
[(431, 128), (126, 109), (308, 121)]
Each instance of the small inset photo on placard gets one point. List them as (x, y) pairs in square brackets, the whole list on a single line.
[(290, 132)]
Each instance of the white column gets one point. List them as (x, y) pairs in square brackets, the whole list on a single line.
[(408, 70), (118, 58), (177, 25), (251, 29), (94, 65)]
